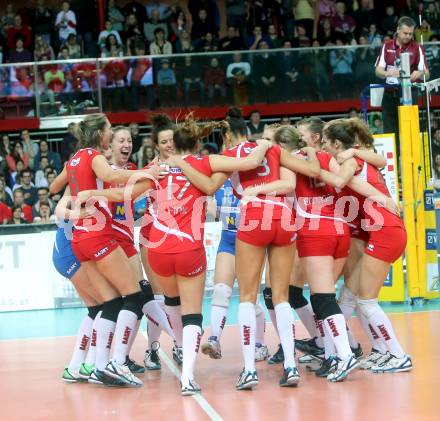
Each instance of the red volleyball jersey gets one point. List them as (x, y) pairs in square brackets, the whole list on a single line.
[(178, 210), (81, 177), (316, 202), (268, 171)]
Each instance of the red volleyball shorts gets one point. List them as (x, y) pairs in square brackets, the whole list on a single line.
[(276, 234), (337, 246), (187, 263), (386, 244), (127, 245), (94, 248)]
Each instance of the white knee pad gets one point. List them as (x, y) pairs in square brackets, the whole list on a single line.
[(258, 309), (221, 295), (347, 297), (368, 307)]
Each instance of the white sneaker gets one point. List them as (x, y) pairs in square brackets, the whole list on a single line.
[(246, 380), (370, 360), (190, 388), (343, 368), (178, 354), (122, 372), (394, 365), (261, 352), (212, 348)]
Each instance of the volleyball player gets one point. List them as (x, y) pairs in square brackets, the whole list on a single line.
[(386, 239)]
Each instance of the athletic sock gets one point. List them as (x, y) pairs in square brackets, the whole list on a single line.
[(105, 330), (329, 346), (125, 326), (133, 336), (307, 317), (273, 319), (156, 314), (286, 329), (153, 332), (347, 303), (247, 324), (260, 327), (191, 343), (318, 327), (376, 341), (81, 344), (218, 320), (336, 328), (175, 319), (91, 353)]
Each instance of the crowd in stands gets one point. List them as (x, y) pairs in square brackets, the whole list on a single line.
[(154, 28)]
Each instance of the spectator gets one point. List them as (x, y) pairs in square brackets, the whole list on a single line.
[(389, 23), (256, 16), (136, 9), (304, 11), (133, 32), (42, 49), (184, 43), (103, 35), (373, 37), (376, 126), (16, 155), (135, 136), (209, 6), (341, 22), (255, 126), (112, 48), (266, 75), (365, 16), (50, 176), (238, 78), (433, 56), (30, 147), (69, 143), (40, 177), (45, 215), (326, 34), (207, 43), (17, 217), (27, 187), (115, 16), (232, 41), (325, 9), (215, 81), (115, 72), (5, 193), (201, 25), (18, 30), (156, 5), (341, 61), (7, 20), (3, 164), (19, 54), (153, 24), (86, 27), (353, 113), (432, 15), (190, 73), (285, 121), (42, 21), (160, 45), (143, 156), (424, 32), (64, 54), (148, 155), (166, 82), (5, 213), (254, 40), (15, 175), (65, 22), (236, 16), (289, 69), (274, 39), (437, 165), (178, 24), (6, 145), (363, 71), (73, 46), (43, 197), (54, 157), (314, 74), (302, 40), (54, 82)]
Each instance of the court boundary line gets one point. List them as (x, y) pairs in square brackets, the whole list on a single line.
[(202, 402)]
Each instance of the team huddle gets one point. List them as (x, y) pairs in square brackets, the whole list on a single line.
[(305, 203)]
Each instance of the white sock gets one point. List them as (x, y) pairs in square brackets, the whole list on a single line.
[(81, 344), (383, 327), (329, 346), (105, 330), (191, 343), (307, 316), (153, 332), (375, 340), (347, 303), (247, 323), (125, 326), (273, 319), (318, 327), (91, 353), (133, 336), (156, 314), (218, 320), (351, 339), (260, 324), (175, 319), (336, 328), (286, 329)]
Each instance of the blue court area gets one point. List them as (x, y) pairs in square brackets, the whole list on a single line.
[(65, 322)]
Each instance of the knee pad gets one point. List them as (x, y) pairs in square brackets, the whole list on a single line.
[(146, 290), (94, 310), (221, 295), (111, 309), (368, 307), (347, 297), (134, 303), (267, 294), (296, 297), (326, 305), (192, 319), (313, 304), (172, 301)]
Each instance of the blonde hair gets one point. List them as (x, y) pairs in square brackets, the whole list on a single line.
[(289, 136), (88, 130)]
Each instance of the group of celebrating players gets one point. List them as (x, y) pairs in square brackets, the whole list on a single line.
[(305, 203)]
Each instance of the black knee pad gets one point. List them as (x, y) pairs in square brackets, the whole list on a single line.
[(134, 303), (172, 301), (296, 297), (326, 305), (111, 309), (94, 310), (192, 319), (147, 291), (313, 304), (267, 294)]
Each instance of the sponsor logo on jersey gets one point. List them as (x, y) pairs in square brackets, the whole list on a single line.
[(101, 252), (370, 247), (175, 170), (119, 211), (74, 162), (71, 268)]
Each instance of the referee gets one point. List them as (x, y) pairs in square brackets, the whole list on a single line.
[(388, 68)]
